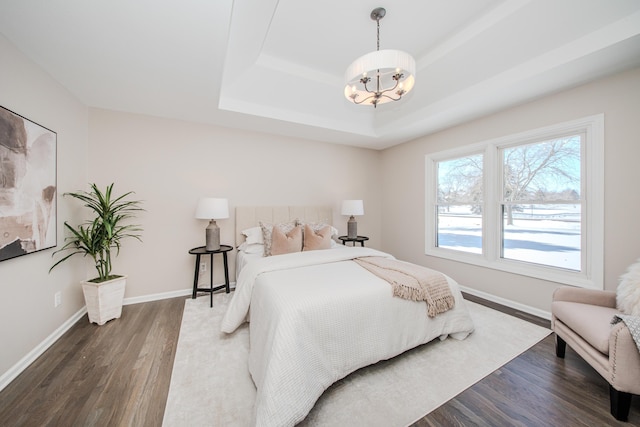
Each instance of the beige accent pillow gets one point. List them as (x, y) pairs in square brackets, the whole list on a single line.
[(282, 243), (316, 226), (267, 229), (314, 240)]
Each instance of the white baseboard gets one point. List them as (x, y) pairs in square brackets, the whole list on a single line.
[(166, 295), (27, 360), (516, 305), (30, 357), (156, 297)]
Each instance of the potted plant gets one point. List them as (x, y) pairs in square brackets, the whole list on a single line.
[(97, 238)]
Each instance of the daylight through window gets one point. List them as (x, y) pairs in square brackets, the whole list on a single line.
[(530, 203), (541, 205), (459, 207)]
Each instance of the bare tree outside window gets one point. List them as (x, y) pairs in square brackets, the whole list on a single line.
[(531, 203), (541, 172), (459, 204), (541, 204)]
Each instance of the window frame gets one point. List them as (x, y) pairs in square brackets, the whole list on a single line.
[(592, 199)]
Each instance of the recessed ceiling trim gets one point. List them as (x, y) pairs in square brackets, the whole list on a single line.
[(293, 68), (477, 27)]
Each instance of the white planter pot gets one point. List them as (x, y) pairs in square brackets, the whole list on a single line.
[(104, 300)]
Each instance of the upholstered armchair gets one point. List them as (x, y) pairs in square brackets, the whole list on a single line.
[(582, 318)]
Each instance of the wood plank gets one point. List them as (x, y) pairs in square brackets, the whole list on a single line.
[(119, 374), (535, 389), (115, 374)]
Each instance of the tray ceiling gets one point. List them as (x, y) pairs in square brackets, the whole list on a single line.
[(278, 66)]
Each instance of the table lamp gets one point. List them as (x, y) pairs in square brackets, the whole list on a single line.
[(352, 207), (211, 208)]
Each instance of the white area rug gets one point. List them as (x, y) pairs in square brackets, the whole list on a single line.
[(211, 384)]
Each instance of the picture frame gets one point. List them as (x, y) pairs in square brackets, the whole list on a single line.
[(28, 186)]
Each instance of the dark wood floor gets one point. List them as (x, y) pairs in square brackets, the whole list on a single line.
[(118, 375), (535, 389)]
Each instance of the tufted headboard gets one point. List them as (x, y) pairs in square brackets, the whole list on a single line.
[(250, 216)]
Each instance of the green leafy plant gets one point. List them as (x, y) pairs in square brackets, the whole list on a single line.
[(104, 233)]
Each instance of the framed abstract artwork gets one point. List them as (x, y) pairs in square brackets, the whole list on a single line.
[(28, 211)]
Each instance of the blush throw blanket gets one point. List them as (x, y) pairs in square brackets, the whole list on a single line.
[(412, 282)]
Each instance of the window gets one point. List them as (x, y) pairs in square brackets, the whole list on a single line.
[(459, 205), (541, 202), (530, 203)]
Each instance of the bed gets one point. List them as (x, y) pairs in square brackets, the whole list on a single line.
[(316, 316)]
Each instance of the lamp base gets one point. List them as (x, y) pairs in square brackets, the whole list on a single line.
[(352, 228), (212, 236)]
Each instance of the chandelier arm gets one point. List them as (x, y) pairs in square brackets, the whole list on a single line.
[(391, 98), (364, 100), (378, 90), (392, 88)]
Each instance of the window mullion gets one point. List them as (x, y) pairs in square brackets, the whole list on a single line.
[(491, 223)]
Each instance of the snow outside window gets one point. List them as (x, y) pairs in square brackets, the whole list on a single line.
[(530, 203)]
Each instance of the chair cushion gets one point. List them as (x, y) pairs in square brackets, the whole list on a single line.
[(591, 322)]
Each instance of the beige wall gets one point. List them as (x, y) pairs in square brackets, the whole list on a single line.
[(170, 164), (27, 313), (403, 190)]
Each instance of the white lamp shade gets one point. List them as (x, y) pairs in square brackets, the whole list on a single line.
[(352, 207), (385, 63), (389, 59), (212, 208)]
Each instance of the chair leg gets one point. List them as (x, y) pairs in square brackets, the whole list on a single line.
[(561, 347), (620, 404)]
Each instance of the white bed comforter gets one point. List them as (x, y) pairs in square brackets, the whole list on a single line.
[(316, 317)]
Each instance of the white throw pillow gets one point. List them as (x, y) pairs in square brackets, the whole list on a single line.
[(255, 248), (253, 236), (628, 292)]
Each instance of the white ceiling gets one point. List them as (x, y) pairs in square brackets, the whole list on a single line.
[(277, 65)]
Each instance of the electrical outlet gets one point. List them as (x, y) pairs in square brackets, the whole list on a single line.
[(203, 267), (57, 299)]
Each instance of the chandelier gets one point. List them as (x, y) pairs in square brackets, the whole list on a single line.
[(381, 76)]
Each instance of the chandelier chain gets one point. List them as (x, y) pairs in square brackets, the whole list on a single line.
[(378, 39)]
